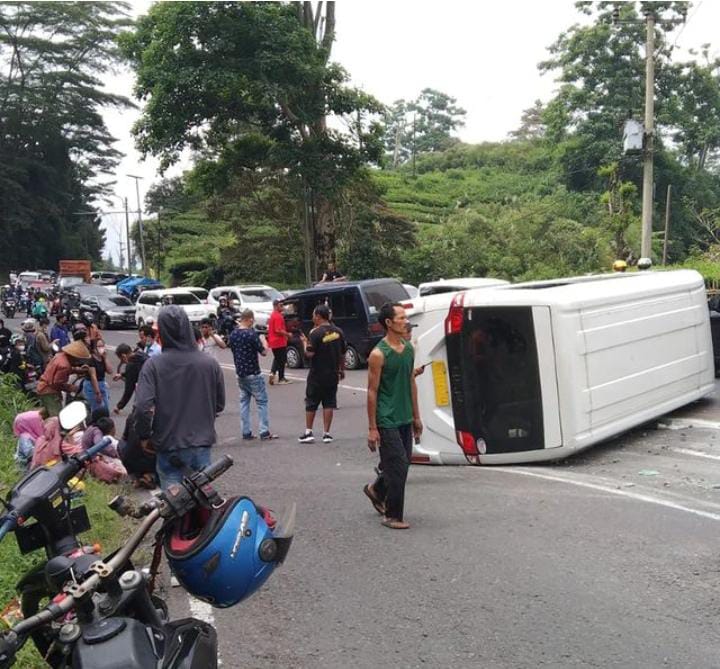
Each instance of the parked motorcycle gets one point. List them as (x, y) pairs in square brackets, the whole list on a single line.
[(106, 614), (9, 307)]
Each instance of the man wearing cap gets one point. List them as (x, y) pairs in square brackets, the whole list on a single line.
[(55, 380), (245, 344)]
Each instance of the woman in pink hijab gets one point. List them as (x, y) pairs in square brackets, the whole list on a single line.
[(28, 427), (50, 446)]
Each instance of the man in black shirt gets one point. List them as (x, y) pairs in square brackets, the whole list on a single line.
[(326, 351), (332, 274), (133, 362)]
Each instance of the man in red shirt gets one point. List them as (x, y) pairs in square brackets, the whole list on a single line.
[(277, 339), (73, 359)]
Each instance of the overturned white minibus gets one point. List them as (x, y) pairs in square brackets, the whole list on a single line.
[(537, 371)]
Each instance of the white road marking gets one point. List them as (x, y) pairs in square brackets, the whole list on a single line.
[(640, 497), (203, 611), (697, 454)]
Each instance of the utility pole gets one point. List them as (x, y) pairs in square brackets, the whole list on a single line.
[(396, 153), (140, 222), (413, 148), (667, 223), (127, 234), (647, 193)]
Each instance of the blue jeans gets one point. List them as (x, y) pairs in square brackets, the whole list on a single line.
[(253, 386), (195, 458), (94, 400), (24, 450)]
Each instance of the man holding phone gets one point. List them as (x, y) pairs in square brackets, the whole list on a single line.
[(393, 415)]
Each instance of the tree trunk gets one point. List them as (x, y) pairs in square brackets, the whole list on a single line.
[(325, 233)]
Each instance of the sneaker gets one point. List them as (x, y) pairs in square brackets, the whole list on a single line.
[(267, 436), (307, 437), (327, 438), (249, 437), (284, 382), (271, 379)]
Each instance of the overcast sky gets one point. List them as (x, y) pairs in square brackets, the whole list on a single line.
[(484, 54)]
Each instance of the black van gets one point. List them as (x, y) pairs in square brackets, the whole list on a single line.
[(354, 306)]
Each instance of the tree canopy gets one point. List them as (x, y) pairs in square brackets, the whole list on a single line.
[(251, 84), (54, 147)]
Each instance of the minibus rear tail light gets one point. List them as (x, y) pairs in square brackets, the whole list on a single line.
[(408, 305), (467, 442), (419, 459), (454, 320)]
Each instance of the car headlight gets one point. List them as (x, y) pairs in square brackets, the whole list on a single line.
[(114, 314)]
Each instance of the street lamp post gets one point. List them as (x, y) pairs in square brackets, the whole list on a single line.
[(140, 221)]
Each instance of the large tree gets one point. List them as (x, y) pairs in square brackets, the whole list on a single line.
[(250, 85), (54, 143), (423, 125)]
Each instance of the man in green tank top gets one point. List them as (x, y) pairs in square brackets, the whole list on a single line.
[(393, 415)]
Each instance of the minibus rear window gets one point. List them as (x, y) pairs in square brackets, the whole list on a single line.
[(494, 378)]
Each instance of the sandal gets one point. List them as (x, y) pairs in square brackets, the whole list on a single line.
[(395, 524), (377, 504)]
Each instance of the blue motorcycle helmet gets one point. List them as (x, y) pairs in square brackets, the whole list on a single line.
[(223, 555)]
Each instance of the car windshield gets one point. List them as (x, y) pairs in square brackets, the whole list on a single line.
[(184, 299), (379, 293), (261, 295), (200, 293)]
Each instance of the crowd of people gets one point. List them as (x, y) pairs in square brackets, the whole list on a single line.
[(178, 387)]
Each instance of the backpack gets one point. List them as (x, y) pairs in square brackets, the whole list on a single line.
[(32, 354)]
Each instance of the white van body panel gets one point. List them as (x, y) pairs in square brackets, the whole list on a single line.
[(614, 351)]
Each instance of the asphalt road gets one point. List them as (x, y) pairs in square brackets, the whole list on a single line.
[(607, 559)]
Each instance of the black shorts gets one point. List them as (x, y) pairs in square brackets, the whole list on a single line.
[(319, 392)]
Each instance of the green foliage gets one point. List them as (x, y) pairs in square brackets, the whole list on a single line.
[(262, 89), (600, 65), (108, 528), (374, 236), (54, 141)]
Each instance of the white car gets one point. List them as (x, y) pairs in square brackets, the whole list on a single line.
[(257, 297), (413, 291), (150, 301)]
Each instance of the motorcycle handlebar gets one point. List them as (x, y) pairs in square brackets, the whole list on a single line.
[(94, 450), (9, 639), (218, 467), (7, 525)]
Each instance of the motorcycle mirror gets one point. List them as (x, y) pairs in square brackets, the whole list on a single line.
[(72, 415)]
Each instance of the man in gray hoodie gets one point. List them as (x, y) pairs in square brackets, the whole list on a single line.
[(178, 395)]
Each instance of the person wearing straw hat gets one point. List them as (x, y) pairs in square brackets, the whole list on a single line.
[(72, 359)]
